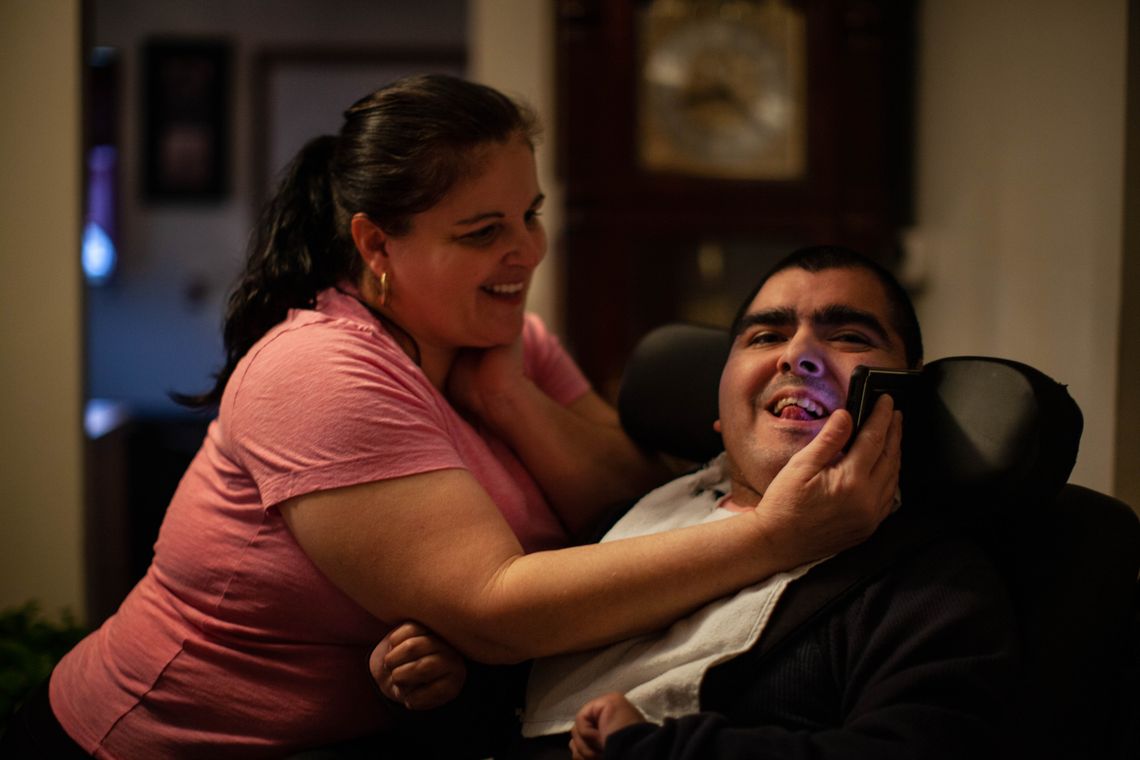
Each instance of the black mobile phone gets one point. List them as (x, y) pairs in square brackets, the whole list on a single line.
[(868, 383)]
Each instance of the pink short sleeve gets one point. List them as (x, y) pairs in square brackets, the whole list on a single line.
[(323, 403), (549, 366)]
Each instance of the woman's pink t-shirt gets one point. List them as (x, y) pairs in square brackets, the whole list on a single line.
[(234, 643)]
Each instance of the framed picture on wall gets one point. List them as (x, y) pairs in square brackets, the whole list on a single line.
[(186, 119)]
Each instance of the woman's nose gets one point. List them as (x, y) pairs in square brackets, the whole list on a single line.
[(528, 247)]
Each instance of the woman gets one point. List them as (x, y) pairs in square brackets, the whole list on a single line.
[(396, 440)]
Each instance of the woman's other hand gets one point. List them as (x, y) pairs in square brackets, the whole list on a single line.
[(824, 501), (481, 377), (597, 719), (416, 668)]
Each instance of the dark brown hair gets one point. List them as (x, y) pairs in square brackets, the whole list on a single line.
[(817, 258)]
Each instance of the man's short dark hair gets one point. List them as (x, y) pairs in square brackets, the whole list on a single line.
[(817, 258)]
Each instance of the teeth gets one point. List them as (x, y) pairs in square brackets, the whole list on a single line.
[(803, 403), (506, 290)]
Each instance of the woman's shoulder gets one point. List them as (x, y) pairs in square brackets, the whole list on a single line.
[(313, 355), (308, 342), (319, 391), (548, 364), (534, 330)]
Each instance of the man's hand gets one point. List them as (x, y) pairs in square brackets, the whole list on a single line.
[(597, 719), (826, 501), (416, 668)]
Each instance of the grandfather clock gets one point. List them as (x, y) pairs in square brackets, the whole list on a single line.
[(699, 140)]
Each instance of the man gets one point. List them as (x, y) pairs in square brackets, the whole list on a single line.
[(913, 663)]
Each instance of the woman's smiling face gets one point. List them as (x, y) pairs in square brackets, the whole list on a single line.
[(459, 277)]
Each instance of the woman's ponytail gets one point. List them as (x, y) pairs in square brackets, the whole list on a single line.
[(293, 254)]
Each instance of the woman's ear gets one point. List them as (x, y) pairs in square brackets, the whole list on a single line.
[(371, 242), (717, 426)]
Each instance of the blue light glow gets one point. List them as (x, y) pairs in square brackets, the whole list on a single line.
[(98, 254)]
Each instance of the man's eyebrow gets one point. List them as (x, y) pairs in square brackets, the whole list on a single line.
[(829, 316), (780, 317), (777, 317), (840, 314), (538, 199)]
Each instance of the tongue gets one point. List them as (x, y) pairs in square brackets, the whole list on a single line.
[(793, 412)]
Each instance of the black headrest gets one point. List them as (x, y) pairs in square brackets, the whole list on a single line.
[(668, 396), (994, 426), (978, 425)]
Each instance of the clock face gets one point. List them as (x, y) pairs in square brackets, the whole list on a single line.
[(722, 95)]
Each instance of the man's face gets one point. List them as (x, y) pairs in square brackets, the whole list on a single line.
[(790, 366)]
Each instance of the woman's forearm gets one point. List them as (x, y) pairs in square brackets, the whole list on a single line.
[(450, 563), (582, 597), (433, 548)]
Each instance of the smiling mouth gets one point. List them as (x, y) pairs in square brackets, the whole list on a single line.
[(798, 408), (506, 289)]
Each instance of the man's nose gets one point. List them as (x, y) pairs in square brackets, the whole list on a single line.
[(801, 356)]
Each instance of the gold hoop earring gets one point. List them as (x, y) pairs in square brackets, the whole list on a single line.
[(385, 289)]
